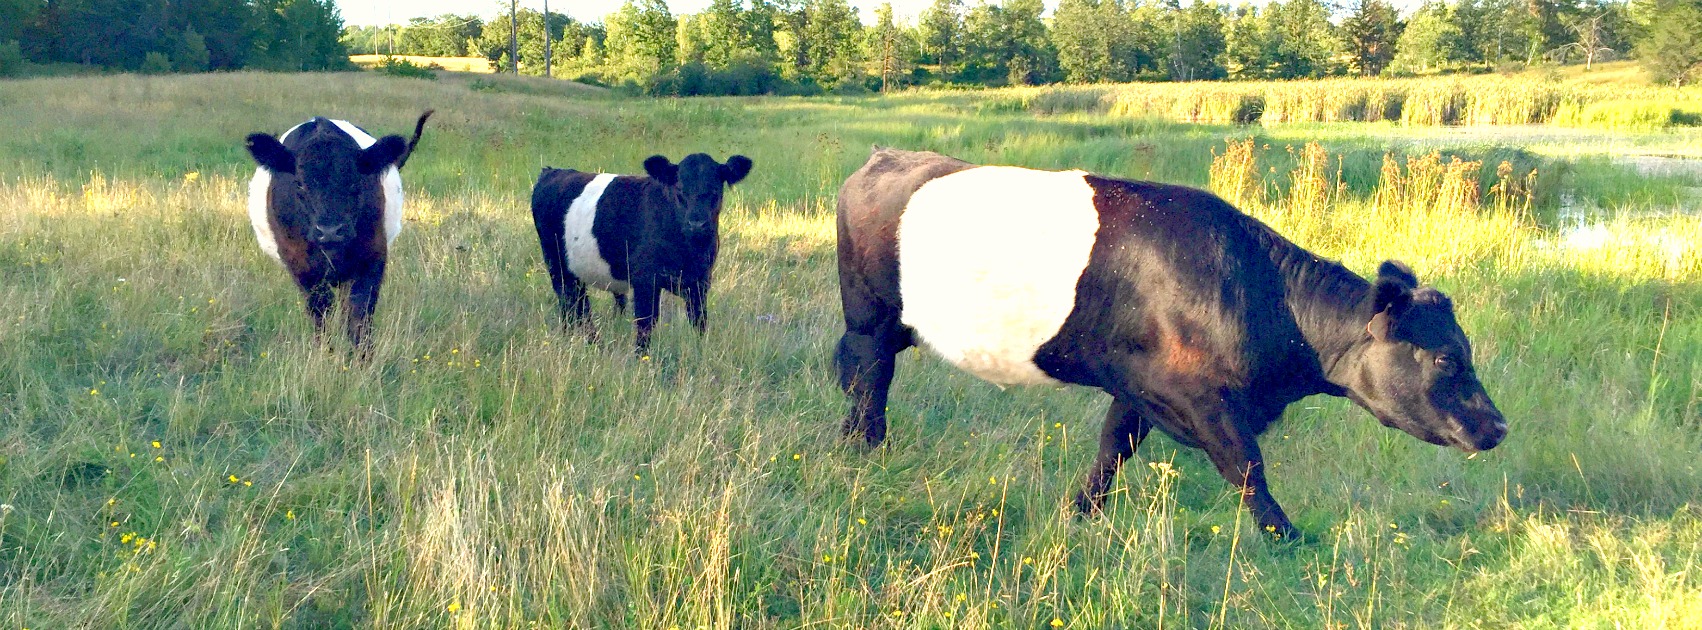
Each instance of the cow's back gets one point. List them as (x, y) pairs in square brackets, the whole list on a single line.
[(870, 204)]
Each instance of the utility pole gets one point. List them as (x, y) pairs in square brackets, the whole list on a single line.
[(547, 39), (513, 38)]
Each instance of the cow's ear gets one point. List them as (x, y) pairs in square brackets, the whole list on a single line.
[(270, 154), (735, 170), (1390, 297), (1397, 271), (382, 154), (661, 169)]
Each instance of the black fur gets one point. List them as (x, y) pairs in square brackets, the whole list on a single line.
[(1196, 318)]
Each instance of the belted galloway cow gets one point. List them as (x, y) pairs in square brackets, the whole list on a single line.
[(326, 202), (1197, 319), (634, 234)]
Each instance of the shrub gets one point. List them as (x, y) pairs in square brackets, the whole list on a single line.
[(155, 63), (398, 67), (11, 58)]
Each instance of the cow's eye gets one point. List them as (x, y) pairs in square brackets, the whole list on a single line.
[(1447, 364)]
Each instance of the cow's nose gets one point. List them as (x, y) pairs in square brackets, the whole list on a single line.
[(1492, 436), (326, 234)]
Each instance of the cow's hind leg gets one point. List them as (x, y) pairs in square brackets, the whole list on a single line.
[(866, 357), (572, 305), (1125, 427)]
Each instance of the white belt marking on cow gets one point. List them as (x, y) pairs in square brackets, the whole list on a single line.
[(259, 215), (989, 258), (584, 259)]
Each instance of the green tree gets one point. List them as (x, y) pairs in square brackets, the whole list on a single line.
[(640, 43), (1247, 50), (16, 15), (298, 35), (890, 50), (1669, 43), (191, 54), (833, 37), (1304, 42), (1431, 41), (1489, 31), (1097, 41), (1371, 32), (1196, 42), (941, 28)]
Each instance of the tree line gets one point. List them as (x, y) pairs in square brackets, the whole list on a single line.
[(172, 35), (812, 46)]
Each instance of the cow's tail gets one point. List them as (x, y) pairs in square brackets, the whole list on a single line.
[(419, 128)]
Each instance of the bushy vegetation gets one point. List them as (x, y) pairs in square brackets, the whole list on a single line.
[(180, 454), (156, 36)]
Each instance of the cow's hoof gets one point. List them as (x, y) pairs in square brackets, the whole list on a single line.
[(865, 437), (1089, 506)]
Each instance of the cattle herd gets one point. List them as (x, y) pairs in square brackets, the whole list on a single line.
[(1196, 318)]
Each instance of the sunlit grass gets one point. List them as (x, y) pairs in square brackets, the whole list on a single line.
[(484, 470)]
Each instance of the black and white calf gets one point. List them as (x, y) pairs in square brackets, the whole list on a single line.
[(1196, 318), (633, 234), (326, 202)]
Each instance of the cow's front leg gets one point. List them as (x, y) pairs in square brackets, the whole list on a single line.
[(1125, 428), (647, 299), (696, 296), (318, 296), (363, 300)]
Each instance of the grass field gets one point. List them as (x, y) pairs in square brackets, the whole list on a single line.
[(174, 452), (478, 65)]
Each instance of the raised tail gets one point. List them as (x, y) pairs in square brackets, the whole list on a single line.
[(419, 127)]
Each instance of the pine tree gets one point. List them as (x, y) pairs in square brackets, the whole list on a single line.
[(1372, 32)]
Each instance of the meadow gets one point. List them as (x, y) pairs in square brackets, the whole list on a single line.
[(175, 451)]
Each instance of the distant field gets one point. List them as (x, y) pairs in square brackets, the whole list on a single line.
[(452, 64), (174, 452)]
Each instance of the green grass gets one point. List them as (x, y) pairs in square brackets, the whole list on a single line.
[(482, 470)]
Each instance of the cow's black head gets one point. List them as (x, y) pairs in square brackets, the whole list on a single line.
[(694, 185), (327, 176), (1416, 374)]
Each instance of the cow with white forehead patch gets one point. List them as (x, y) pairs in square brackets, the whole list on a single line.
[(633, 234), (1196, 318), (326, 201)]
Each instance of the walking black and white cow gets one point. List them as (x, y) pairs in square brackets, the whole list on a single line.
[(633, 234), (1196, 318), (326, 202)]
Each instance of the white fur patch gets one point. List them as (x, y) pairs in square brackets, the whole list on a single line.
[(260, 215), (583, 257), (988, 263)]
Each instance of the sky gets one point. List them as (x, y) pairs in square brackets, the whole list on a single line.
[(375, 12)]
